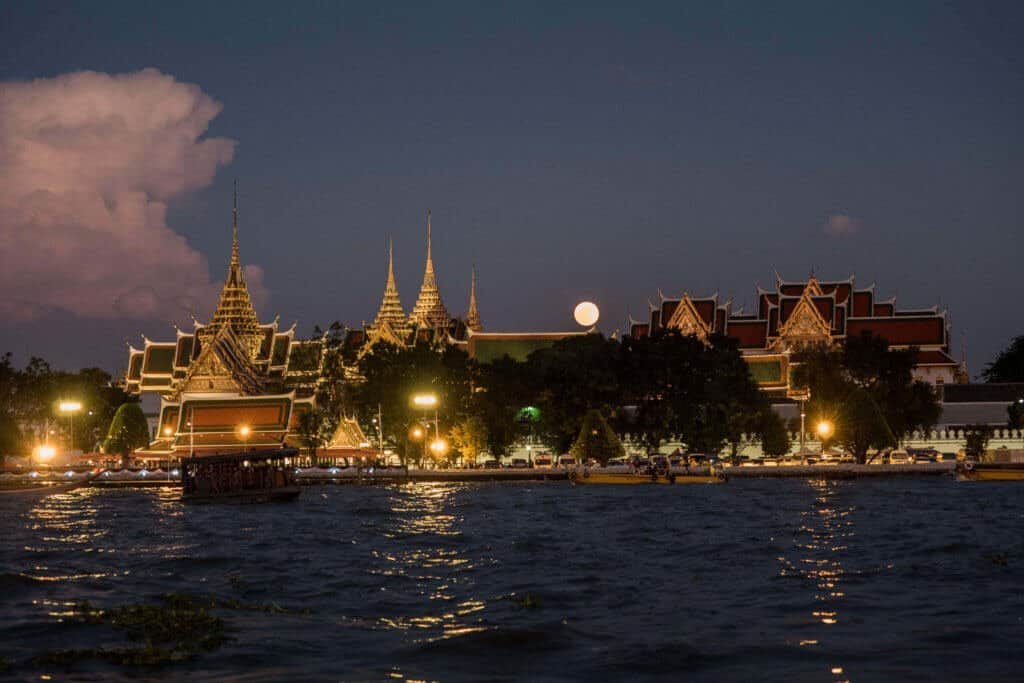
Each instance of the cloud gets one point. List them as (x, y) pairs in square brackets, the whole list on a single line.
[(840, 225), (88, 164)]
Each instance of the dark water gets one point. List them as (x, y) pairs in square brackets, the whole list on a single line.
[(898, 579)]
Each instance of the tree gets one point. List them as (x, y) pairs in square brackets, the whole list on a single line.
[(774, 437), (393, 375), (1015, 414), (572, 376), (596, 440), (501, 394), (861, 425), (314, 429), (977, 438), (469, 438), (1008, 365), (128, 431), (10, 435), (867, 364)]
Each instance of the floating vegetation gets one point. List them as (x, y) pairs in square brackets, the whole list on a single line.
[(1000, 559), (177, 628), (528, 601)]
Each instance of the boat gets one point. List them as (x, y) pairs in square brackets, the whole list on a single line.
[(990, 471), (256, 476), (46, 489), (586, 477)]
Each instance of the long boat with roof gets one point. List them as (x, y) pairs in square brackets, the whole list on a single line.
[(256, 476)]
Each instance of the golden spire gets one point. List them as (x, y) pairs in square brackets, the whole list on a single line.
[(390, 306), (473, 317), (235, 267), (429, 310), (234, 309)]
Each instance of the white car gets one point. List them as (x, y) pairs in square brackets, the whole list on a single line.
[(567, 462), (899, 458)]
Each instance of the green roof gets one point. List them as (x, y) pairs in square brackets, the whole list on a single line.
[(487, 350)]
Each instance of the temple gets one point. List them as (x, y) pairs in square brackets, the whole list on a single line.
[(429, 320), (798, 313), (231, 384)]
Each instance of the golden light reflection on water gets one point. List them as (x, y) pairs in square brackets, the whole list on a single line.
[(423, 518), (822, 538)]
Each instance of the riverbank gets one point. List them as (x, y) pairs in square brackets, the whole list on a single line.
[(316, 476)]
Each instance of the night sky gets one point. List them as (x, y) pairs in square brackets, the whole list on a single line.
[(570, 152)]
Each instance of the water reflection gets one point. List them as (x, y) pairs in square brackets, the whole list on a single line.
[(429, 550), (823, 536)]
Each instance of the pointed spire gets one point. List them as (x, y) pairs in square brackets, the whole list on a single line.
[(429, 310), (390, 310), (234, 309), (473, 317)]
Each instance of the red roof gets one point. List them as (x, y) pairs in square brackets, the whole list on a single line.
[(751, 334), (901, 331), (932, 357)]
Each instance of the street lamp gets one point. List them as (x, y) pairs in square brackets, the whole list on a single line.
[(70, 407), (439, 448), (426, 401), (45, 452), (824, 430), (416, 434), (244, 432)]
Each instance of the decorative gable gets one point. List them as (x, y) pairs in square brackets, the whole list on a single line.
[(686, 319), (805, 325)]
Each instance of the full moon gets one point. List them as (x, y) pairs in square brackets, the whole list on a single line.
[(586, 314)]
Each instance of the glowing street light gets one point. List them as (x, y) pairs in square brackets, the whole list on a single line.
[(70, 408), (168, 430), (45, 452), (425, 400), (439, 447), (825, 429), (416, 433)]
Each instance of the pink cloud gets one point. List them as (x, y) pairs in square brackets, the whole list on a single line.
[(841, 225), (88, 164)]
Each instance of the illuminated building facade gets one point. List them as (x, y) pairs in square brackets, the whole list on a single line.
[(800, 313), (231, 384)]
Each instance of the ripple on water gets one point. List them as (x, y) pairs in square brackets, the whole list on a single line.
[(873, 579)]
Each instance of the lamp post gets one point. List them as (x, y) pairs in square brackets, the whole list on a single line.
[(70, 408), (416, 435), (426, 402), (244, 432)]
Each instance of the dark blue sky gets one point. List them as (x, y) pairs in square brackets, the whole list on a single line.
[(578, 152)]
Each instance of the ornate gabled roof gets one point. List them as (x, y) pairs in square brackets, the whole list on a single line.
[(688, 321), (224, 364), (429, 310), (391, 311), (473, 316), (234, 308)]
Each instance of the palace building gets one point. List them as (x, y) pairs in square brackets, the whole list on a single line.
[(231, 384), (798, 313)]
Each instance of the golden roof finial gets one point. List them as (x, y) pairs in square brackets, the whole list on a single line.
[(429, 310), (473, 316), (390, 306)]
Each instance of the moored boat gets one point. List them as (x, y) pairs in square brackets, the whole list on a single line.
[(626, 478), (249, 477), (990, 471)]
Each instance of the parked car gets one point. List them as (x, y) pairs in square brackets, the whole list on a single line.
[(921, 455), (566, 461), (543, 461), (492, 465), (899, 458), (518, 463)]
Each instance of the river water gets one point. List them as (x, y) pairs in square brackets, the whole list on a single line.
[(888, 579)]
